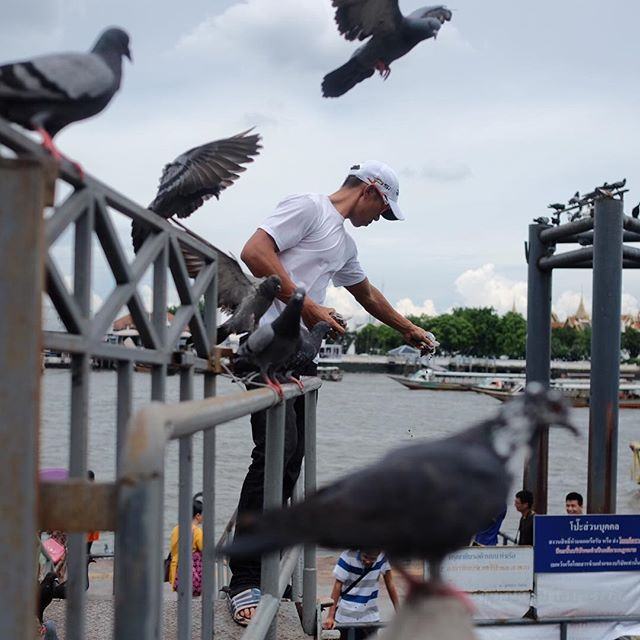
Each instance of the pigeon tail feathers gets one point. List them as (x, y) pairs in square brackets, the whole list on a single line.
[(339, 81)]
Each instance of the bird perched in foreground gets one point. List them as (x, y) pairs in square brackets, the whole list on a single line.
[(196, 175), (408, 503), (49, 92), (392, 36), (270, 347)]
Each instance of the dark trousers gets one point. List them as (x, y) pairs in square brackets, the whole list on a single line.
[(246, 571)]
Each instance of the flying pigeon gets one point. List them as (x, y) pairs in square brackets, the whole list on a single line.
[(49, 92), (408, 503), (196, 175), (271, 346), (392, 36), (250, 308), (310, 343)]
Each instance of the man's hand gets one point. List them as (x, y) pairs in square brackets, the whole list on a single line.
[(417, 337), (312, 313)]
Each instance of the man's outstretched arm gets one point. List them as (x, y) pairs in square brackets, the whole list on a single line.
[(379, 307), (260, 254)]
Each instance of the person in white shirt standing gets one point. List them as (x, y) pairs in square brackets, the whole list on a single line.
[(355, 591), (305, 243)]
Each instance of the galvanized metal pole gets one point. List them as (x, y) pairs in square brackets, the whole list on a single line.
[(185, 517), (208, 477), (79, 436), (309, 585), (21, 257), (296, 578), (605, 356), (538, 359), (273, 473)]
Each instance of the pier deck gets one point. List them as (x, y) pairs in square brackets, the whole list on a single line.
[(100, 620)]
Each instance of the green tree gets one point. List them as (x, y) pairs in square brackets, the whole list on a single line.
[(485, 322), (512, 335), (631, 341)]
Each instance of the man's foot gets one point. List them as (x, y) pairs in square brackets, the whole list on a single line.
[(243, 605)]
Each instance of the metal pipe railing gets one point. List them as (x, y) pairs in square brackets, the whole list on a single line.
[(140, 502)]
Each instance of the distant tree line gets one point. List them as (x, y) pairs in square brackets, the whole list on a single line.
[(481, 332)]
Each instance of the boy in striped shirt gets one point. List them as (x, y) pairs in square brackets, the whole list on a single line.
[(355, 591)]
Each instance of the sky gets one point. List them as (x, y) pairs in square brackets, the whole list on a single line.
[(514, 106)]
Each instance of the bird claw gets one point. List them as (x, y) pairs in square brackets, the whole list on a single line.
[(272, 384), (383, 69), (48, 145), (299, 383)]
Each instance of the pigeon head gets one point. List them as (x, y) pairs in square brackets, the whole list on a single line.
[(270, 287), (439, 12), (113, 40), (524, 417)]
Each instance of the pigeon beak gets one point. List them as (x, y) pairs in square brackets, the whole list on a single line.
[(128, 54), (565, 422)]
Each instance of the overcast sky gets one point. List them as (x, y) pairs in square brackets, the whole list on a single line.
[(514, 106)]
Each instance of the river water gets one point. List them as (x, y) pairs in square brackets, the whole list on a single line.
[(359, 419)]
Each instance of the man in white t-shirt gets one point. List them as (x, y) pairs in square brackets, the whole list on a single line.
[(305, 243)]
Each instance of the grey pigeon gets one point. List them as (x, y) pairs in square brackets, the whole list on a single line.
[(49, 92), (197, 175), (310, 343), (409, 502), (49, 628), (392, 36), (251, 308), (270, 347)]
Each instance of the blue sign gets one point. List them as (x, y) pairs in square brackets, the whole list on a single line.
[(572, 544)]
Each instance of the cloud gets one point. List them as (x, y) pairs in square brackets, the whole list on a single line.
[(436, 172), (303, 31), (407, 307), (483, 287), (567, 304)]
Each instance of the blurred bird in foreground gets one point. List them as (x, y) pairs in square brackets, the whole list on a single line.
[(408, 503)]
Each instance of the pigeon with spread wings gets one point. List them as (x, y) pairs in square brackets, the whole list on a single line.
[(197, 175), (392, 35)]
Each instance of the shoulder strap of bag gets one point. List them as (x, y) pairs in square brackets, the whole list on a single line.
[(356, 581)]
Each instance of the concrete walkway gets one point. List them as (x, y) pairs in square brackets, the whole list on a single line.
[(100, 620)]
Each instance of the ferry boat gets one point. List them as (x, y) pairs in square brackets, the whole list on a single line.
[(576, 391), (446, 380), (330, 373)]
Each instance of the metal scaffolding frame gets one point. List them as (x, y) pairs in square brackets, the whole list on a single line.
[(602, 234)]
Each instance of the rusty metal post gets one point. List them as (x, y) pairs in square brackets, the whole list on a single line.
[(605, 356), (21, 256), (538, 359)]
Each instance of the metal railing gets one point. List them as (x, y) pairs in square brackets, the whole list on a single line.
[(563, 624), (30, 228), (139, 563)]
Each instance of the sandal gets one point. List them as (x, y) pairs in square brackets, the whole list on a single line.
[(241, 601)]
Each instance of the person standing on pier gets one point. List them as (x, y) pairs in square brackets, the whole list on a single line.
[(524, 505), (304, 242)]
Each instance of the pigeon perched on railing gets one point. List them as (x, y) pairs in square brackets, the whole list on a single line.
[(392, 36), (409, 503), (49, 92), (271, 346), (310, 343), (197, 175)]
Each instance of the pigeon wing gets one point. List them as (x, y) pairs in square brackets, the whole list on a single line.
[(63, 77), (202, 172), (359, 19)]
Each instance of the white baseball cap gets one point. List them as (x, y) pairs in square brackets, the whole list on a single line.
[(384, 178)]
